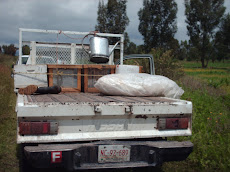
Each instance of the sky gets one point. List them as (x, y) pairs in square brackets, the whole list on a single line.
[(69, 15)]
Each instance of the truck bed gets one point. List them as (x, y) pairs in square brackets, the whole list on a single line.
[(94, 98), (90, 116)]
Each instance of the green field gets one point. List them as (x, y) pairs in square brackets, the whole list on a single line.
[(216, 75), (209, 91), (211, 118)]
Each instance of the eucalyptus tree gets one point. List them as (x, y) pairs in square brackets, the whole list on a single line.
[(203, 18), (157, 23)]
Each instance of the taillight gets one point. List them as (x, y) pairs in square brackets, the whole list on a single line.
[(38, 128), (172, 123)]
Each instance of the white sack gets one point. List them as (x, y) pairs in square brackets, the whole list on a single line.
[(138, 84)]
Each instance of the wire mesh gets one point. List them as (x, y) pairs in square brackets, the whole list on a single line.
[(54, 54), (81, 57)]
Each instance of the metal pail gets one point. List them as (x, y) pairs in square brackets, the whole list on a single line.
[(99, 50)]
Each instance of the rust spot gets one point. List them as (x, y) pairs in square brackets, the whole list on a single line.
[(141, 116)]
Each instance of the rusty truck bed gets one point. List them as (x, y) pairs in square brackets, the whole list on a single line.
[(93, 98)]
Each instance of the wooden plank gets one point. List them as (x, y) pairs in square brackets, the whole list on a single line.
[(79, 79), (66, 89), (113, 71), (140, 69), (63, 89), (50, 77), (85, 80), (93, 90), (99, 66), (93, 73), (65, 66)]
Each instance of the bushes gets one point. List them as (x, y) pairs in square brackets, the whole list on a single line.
[(166, 64), (9, 49)]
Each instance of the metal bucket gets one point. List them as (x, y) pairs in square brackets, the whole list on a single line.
[(99, 50)]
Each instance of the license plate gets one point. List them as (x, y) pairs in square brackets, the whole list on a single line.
[(113, 153)]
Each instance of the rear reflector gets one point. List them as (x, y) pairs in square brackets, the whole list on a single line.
[(38, 128), (173, 123)]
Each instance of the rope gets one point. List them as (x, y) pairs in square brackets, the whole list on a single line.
[(58, 74), (91, 32)]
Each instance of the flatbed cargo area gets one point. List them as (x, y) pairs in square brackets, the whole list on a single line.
[(94, 98)]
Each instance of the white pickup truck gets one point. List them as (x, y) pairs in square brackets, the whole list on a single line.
[(85, 130)]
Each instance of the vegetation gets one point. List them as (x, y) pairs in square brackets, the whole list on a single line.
[(222, 39), (9, 49), (166, 64), (203, 17), (211, 119), (8, 146), (157, 23), (25, 50), (112, 17)]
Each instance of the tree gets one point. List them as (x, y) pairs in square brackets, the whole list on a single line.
[(112, 17), (101, 17), (25, 50), (0, 49), (129, 47), (202, 18), (184, 50), (222, 39), (157, 23), (9, 49)]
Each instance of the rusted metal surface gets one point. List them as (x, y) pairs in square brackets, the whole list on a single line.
[(141, 116), (94, 97)]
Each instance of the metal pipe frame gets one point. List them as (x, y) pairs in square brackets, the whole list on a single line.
[(21, 30)]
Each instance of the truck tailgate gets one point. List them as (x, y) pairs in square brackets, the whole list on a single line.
[(87, 116)]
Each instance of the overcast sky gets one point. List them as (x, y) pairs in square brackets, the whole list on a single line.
[(69, 15)]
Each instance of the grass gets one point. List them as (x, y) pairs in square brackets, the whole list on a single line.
[(208, 89), (217, 64), (211, 132), (217, 77), (8, 146)]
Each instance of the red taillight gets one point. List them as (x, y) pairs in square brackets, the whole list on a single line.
[(37, 128), (173, 123)]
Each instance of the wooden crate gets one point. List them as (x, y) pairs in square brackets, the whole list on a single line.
[(92, 73), (66, 76)]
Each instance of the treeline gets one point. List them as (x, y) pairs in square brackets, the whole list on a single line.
[(207, 27), (8, 49), (11, 49)]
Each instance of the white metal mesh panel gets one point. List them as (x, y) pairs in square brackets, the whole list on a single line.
[(53, 55), (81, 57)]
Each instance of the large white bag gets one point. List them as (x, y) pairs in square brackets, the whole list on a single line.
[(138, 84)]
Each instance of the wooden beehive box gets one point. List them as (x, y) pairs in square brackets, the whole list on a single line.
[(66, 76), (93, 72)]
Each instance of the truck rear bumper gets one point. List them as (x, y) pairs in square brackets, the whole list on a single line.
[(85, 155)]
